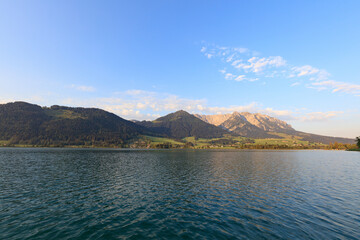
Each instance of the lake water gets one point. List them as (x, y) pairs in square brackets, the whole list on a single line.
[(137, 194)]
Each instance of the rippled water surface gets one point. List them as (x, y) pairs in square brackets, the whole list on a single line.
[(112, 194)]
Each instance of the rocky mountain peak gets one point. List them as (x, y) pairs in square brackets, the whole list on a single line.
[(261, 121), (216, 120)]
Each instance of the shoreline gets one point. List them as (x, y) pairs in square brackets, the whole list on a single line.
[(132, 148)]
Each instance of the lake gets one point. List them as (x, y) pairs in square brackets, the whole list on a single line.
[(178, 194)]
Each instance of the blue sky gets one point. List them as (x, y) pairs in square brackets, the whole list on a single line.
[(294, 60)]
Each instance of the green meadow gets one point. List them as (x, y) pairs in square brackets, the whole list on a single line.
[(230, 142)]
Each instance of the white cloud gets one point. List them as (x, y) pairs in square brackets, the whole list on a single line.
[(319, 116), (241, 50), (229, 76), (313, 74), (241, 59), (236, 62), (256, 64), (222, 110), (36, 99), (148, 105), (230, 58), (278, 113), (240, 78), (136, 92), (305, 70), (337, 87), (151, 105), (247, 65), (6, 100)]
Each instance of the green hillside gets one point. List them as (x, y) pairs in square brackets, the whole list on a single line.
[(29, 124), (181, 124)]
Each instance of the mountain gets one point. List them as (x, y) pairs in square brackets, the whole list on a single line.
[(262, 126), (322, 139), (29, 124), (216, 120), (181, 124), (239, 125), (25, 123), (259, 120)]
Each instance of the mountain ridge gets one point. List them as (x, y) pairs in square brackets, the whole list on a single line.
[(257, 125), (267, 123), (25, 123), (29, 124), (182, 124)]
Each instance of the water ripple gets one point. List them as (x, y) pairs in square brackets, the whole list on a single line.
[(127, 194)]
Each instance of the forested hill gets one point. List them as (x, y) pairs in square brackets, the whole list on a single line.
[(24, 123), (181, 124)]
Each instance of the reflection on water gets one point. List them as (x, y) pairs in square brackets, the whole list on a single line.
[(99, 193)]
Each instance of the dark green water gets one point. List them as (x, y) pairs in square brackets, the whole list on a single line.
[(120, 194)]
